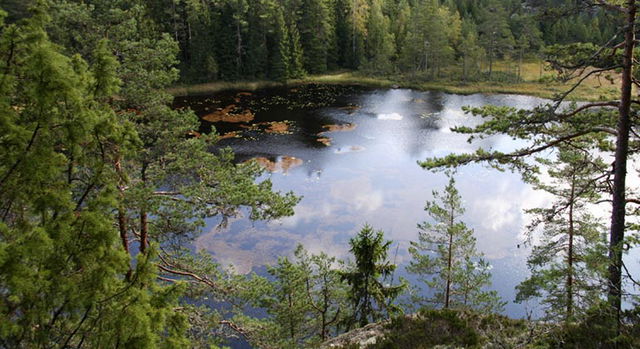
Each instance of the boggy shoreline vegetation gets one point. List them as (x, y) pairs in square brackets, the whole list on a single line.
[(103, 185)]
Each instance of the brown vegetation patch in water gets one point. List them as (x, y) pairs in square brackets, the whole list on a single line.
[(325, 140), (278, 127), (228, 114), (337, 128), (232, 134), (281, 164), (275, 127)]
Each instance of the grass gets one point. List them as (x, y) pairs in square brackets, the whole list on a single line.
[(535, 81)]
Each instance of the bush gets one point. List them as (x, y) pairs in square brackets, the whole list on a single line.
[(597, 330), (429, 328)]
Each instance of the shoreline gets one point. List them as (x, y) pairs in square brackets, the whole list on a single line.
[(589, 92)]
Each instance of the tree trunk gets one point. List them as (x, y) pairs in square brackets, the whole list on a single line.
[(144, 221), (449, 263), (238, 46), (570, 252), (122, 215), (620, 166), (144, 231)]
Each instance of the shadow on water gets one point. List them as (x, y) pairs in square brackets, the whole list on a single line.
[(365, 171)]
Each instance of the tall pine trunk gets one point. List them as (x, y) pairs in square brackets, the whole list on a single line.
[(620, 165), (570, 253)]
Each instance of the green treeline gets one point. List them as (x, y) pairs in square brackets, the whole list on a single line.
[(286, 39), (283, 39)]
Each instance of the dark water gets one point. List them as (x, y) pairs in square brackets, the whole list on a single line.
[(369, 175)]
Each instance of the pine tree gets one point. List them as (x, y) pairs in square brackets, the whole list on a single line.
[(470, 50), (290, 307), (495, 35), (568, 263), (169, 182), (446, 259), (326, 291), (62, 265)]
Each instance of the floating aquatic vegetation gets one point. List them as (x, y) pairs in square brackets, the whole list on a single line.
[(390, 116), (280, 164), (275, 127), (278, 127), (338, 128), (303, 97), (232, 134), (324, 140), (230, 114)]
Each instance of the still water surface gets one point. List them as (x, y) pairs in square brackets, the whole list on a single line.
[(369, 174)]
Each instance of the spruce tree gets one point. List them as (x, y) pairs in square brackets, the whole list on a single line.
[(371, 299), (315, 32), (296, 53), (280, 55), (380, 43)]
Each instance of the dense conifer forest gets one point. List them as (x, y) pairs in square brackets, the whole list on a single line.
[(104, 185)]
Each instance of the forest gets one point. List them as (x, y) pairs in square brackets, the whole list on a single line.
[(105, 186)]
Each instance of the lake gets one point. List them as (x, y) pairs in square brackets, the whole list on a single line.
[(352, 154)]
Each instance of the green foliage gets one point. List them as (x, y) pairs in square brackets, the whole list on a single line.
[(432, 33), (494, 32), (370, 297), (62, 270), (315, 34), (446, 259), (595, 330), (306, 300), (429, 328), (240, 39), (568, 264), (380, 45)]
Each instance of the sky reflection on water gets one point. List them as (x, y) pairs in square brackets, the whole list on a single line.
[(370, 175)]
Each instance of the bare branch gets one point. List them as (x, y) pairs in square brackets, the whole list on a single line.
[(589, 106), (582, 79), (244, 333)]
